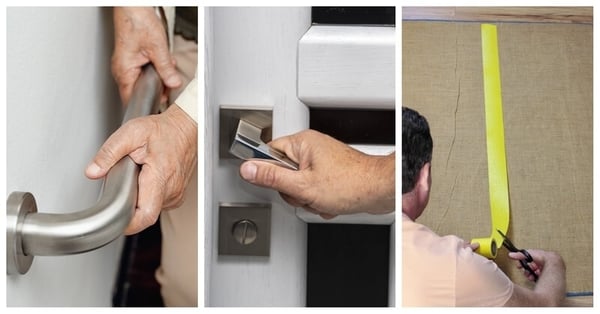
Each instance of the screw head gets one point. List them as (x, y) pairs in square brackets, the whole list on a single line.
[(244, 231)]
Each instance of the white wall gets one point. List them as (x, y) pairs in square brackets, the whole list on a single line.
[(61, 106), (251, 60)]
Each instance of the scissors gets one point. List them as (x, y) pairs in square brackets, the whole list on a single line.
[(528, 259)]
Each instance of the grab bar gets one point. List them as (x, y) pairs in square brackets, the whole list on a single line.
[(29, 233)]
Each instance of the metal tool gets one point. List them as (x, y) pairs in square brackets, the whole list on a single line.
[(248, 145), (528, 259)]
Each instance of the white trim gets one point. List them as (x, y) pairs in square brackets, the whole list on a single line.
[(347, 66)]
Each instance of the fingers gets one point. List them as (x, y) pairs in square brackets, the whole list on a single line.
[(530, 276), (126, 68), (118, 145), (296, 203), (298, 145), (290, 183), (156, 48), (273, 176), (150, 198), (282, 143), (163, 62), (126, 82), (291, 200), (327, 216), (140, 38), (473, 245), (535, 268), (516, 255)]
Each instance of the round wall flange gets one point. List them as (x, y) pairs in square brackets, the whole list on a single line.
[(18, 205)]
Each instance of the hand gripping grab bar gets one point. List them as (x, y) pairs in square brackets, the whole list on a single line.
[(29, 233)]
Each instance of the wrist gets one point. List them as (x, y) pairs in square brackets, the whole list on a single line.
[(182, 121), (383, 189)]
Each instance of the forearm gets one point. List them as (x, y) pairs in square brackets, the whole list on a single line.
[(382, 191)]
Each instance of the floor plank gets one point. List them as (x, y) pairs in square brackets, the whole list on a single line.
[(584, 301)]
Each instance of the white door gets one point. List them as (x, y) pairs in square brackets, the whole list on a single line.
[(252, 60), (61, 106)]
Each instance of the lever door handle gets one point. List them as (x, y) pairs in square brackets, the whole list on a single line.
[(247, 144)]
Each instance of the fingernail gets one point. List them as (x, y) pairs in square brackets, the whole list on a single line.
[(173, 81), (93, 169), (248, 171)]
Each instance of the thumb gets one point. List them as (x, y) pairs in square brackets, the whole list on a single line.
[(118, 145), (272, 176)]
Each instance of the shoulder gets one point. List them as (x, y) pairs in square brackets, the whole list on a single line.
[(428, 266), (444, 271), (416, 236), (479, 281)]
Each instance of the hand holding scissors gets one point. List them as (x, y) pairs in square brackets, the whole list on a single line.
[(524, 262)]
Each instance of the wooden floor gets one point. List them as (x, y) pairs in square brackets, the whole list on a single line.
[(585, 301), (578, 15)]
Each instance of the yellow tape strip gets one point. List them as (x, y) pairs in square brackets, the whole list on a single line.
[(497, 174)]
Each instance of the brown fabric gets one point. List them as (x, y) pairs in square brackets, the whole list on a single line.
[(546, 74), (178, 271)]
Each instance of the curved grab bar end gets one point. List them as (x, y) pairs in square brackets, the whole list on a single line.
[(82, 231), (18, 205)]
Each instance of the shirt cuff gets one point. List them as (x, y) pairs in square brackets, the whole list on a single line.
[(188, 100)]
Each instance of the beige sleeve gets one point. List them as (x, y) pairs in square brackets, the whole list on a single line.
[(479, 281), (188, 99), (170, 17)]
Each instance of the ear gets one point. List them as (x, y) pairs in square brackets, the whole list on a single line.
[(423, 185)]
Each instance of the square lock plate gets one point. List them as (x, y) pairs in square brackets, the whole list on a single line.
[(244, 229)]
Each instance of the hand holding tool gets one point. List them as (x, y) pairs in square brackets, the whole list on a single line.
[(528, 259)]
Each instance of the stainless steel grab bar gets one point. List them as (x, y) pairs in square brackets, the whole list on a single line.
[(29, 233)]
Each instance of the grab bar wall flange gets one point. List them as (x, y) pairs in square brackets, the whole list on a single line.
[(30, 233), (18, 205)]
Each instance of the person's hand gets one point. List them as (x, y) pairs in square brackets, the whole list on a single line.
[(540, 258), (332, 179), (472, 245), (550, 287), (166, 147), (140, 38)]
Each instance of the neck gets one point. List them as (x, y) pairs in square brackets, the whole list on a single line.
[(409, 205)]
